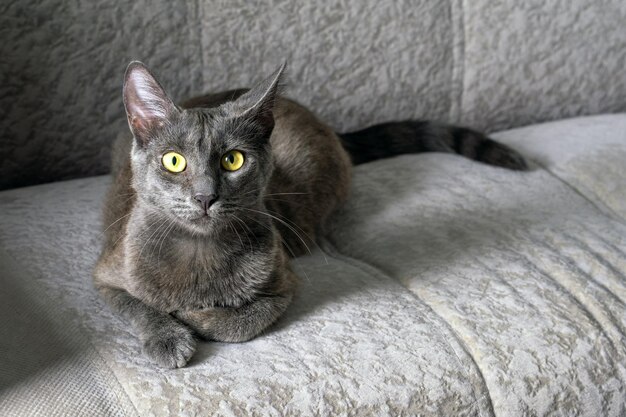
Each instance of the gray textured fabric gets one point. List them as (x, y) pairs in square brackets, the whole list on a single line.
[(346, 344), (528, 270), (563, 148), (61, 78), (535, 60), (491, 65), (447, 287), (48, 366)]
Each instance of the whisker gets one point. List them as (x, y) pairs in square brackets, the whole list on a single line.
[(293, 255), (168, 229), (250, 232), (159, 234), (109, 209), (249, 192), (237, 233), (285, 194), (148, 239), (286, 224), (126, 215), (140, 234), (303, 232), (299, 204)]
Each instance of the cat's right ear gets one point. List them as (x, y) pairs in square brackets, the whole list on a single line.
[(148, 107)]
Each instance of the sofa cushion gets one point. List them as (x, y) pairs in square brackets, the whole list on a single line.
[(587, 153), (447, 287), (527, 270), (352, 341)]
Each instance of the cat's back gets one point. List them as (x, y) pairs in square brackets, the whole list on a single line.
[(311, 175), (307, 152)]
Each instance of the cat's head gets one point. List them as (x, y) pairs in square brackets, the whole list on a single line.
[(199, 166)]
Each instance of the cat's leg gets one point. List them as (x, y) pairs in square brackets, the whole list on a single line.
[(239, 324), (166, 341), (225, 324)]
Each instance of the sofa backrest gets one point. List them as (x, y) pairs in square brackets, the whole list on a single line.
[(491, 65)]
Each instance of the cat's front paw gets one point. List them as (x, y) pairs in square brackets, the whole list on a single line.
[(222, 324), (202, 321), (170, 345)]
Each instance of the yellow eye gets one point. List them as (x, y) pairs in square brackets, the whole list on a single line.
[(174, 162), (232, 160)]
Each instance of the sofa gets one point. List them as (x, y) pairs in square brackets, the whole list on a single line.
[(445, 287)]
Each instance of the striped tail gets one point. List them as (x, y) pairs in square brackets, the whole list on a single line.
[(397, 138)]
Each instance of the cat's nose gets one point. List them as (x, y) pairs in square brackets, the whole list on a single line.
[(205, 200)]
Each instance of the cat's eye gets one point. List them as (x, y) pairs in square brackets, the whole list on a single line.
[(174, 162), (232, 160)]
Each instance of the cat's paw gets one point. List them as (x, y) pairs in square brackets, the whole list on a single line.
[(220, 324), (202, 321), (170, 345)]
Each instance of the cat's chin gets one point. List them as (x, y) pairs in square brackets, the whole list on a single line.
[(202, 224)]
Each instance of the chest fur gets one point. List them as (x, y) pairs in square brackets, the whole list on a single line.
[(193, 273)]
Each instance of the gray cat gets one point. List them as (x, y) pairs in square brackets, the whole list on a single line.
[(211, 198)]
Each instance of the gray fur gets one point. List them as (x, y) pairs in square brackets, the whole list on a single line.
[(175, 269), (173, 272), (396, 138)]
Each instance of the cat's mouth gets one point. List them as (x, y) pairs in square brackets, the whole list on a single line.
[(209, 224), (204, 217), (204, 220), (201, 223)]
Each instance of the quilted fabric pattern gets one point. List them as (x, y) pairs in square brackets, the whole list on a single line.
[(447, 287), (354, 62), (353, 341), (529, 272)]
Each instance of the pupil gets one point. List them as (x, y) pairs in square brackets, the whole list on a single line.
[(231, 158), (174, 160)]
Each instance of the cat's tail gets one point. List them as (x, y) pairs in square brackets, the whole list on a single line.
[(396, 138)]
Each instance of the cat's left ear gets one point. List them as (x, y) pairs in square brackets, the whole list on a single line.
[(148, 106), (259, 101)]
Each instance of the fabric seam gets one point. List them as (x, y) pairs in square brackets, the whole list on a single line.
[(331, 250), (457, 12), (112, 374), (104, 367), (600, 207)]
